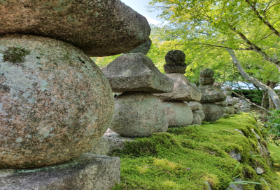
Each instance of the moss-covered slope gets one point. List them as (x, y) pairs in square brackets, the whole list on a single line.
[(195, 157)]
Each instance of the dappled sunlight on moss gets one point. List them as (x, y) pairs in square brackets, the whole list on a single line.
[(189, 157)]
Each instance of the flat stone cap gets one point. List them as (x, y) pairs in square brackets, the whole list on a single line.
[(136, 72), (183, 90), (98, 27), (86, 172)]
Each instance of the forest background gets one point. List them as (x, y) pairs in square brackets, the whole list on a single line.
[(238, 39)]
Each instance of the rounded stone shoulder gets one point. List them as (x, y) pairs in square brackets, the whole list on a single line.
[(175, 57), (55, 102), (206, 73), (175, 68), (138, 114), (99, 28)]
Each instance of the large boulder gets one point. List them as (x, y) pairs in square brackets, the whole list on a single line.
[(138, 114), (212, 112), (136, 72), (178, 114), (183, 90), (55, 103), (99, 28), (209, 94), (86, 172), (143, 48)]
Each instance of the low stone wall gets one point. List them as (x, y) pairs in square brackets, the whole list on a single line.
[(86, 172)]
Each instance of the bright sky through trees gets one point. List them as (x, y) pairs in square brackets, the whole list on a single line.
[(141, 7)]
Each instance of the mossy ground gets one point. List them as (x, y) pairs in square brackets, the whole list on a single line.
[(189, 157)]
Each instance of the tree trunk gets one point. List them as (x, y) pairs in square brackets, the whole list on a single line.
[(272, 85), (274, 97), (265, 102)]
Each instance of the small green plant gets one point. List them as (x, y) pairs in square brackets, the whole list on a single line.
[(240, 182), (274, 126)]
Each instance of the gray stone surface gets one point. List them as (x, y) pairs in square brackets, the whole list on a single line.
[(258, 136), (183, 90), (235, 155), (230, 110), (209, 73), (195, 105), (99, 28), (259, 170), (136, 72), (86, 172), (55, 103), (200, 113), (178, 114), (236, 186), (209, 94), (176, 57), (175, 62), (212, 112), (143, 48), (109, 142), (196, 119), (138, 114)]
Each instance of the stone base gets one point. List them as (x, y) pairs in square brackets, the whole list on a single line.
[(109, 142), (212, 112), (178, 114), (86, 172)]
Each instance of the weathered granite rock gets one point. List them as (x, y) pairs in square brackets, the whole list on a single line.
[(143, 48), (212, 112), (206, 81), (86, 172), (109, 142), (175, 62), (101, 148), (136, 72), (200, 113), (209, 94), (230, 110), (175, 57), (175, 68), (196, 119), (138, 114), (99, 28), (195, 105), (55, 103), (206, 73), (183, 90), (178, 114)]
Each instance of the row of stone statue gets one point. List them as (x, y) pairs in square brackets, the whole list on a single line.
[(151, 102)]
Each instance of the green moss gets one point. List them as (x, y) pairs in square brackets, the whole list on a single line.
[(15, 55), (186, 158)]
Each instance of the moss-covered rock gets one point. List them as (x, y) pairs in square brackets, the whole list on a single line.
[(194, 157)]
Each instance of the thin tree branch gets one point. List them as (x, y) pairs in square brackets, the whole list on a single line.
[(252, 103), (253, 6), (254, 81), (255, 47)]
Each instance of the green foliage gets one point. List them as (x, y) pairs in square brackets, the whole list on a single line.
[(187, 157), (274, 126), (203, 29)]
